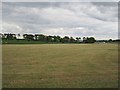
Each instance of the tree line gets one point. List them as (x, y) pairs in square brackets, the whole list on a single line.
[(49, 38)]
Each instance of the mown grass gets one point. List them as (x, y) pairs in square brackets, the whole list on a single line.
[(60, 66), (22, 42)]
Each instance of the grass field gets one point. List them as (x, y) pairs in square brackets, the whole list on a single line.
[(21, 42), (60, 66)]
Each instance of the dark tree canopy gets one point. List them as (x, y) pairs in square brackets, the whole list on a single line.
[(49, 38)]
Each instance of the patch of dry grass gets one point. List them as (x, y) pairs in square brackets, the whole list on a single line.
[(60, 65)]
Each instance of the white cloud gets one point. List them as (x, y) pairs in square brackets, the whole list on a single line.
[(11, 28), (72, 19), (79, 28), (60, 0)]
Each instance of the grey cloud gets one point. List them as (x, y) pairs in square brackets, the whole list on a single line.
[(106, 4), (61, 18)]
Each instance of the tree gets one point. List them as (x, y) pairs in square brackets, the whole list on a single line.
[(1, 35), (28, 37), (78, 39), (9, 36), (110, 40), (57, 39), (72, 40), (49, 38), (89, 40), (84, 39), (66, 39), (36, 37), (18, 35)]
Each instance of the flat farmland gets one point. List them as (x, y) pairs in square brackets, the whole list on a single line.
[(60, 66)]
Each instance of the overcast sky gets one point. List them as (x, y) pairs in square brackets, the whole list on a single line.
[(98, 19)]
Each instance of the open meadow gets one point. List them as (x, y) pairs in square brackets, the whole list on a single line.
[(60, 66)]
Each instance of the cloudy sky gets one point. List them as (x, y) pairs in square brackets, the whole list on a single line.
[(98, 19)]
